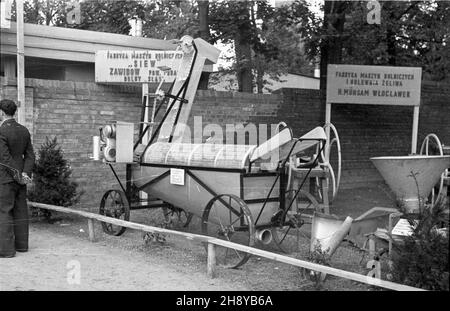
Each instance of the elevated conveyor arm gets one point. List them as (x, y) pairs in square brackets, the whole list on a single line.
[(197, 53)]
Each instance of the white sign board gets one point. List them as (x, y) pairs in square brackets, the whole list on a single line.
[(177, 176), (376, 85), (5, 13), (136, 66)]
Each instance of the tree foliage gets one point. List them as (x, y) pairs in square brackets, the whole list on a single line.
[(230, 22), (43, 12), (267, 40), (270, 41), (284, 35), (170, 19), (47, 12), (411, 33), (109, 15)]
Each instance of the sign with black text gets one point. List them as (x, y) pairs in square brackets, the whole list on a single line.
[(177, 176), (136, 66), (376, 85)]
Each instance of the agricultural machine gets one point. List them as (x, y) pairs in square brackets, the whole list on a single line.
[(242, 193)]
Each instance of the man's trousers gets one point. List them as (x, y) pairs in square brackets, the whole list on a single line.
[(13, 219)]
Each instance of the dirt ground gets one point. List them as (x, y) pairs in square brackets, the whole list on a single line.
[(128, 263), (54, 255)]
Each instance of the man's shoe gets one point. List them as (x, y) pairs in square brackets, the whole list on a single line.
[(8, 256), (21, 250)]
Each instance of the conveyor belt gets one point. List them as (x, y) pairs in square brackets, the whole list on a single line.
[(201, 155)]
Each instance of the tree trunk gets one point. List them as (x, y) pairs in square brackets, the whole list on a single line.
[(203, 10), (243, 51), (391, 50), (48, 13), (244, 70), (260, 82), (331, 45), (260, 79)]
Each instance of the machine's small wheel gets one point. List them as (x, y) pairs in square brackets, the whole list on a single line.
[(432, 145), (114, 204), (286, 236), (431, 149), (177, 217), (326, 161), (306, 201), (227, 217)]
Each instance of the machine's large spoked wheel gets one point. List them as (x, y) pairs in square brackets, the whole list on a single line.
[(114, 204), (176, 217), (331, 159), (227, 217), (285, 235), (432, 145)]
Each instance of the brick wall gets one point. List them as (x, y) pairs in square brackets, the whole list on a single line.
[(73, 112)]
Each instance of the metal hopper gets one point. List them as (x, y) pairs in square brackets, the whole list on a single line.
[(411, 178)]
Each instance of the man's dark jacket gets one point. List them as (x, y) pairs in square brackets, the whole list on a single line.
[(16, 150)]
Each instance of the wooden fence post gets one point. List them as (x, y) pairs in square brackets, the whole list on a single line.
[(211, 268), (91, 229)]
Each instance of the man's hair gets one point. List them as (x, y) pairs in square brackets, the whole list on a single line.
[(8, 106)]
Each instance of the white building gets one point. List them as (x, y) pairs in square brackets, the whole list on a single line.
[(228, 82)]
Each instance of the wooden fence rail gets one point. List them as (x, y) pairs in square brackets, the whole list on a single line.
[(212, 242)]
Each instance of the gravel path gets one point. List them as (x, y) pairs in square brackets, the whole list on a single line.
[(53, 259)]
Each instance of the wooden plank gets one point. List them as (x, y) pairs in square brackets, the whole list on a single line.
[(54, 44), (316, 267), (51, 54), (72, 44), (88, 36), (415, 130), (119, 222), (250, 250), (211, 265)]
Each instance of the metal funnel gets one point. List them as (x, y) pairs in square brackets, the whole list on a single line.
[(411, 177)]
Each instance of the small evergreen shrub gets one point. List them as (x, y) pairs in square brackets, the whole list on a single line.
[(423, 259), (52, 178)]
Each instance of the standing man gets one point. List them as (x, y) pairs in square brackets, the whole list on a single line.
[(16, 164)]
